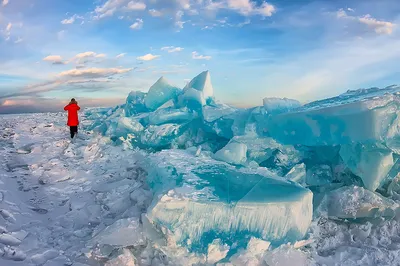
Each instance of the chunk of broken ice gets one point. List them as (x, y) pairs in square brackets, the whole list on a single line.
[(202, 83), (234, 153), (214, 112), (199, 199), (159, 136), (160, 93), (126, 258), (371, 162), (319, 175), (123, 232), (192, 98), (297, 174), (170, 115), (357, 202), (135, 103)]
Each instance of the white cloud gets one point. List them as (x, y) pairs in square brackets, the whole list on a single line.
[(9, 26), (100, 55), (121, 55), (379, 26), (185, 4), (18, 40), (266, 10), (172, 49), (137, 25), (109, 8), (155, 13), (68, 21), (196, 56), (147, 57), (136, 5), (55, 59), (85, 55), (93, 72), (71, 20), (244, 7), (5, 2)]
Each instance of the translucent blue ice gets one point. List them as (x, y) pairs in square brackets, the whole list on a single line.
[(319, 175), (216, 111), (135, 103), (371, 162), (192, 98), (160, 93), (352, 117), (161, 136), (202, 83), (198, 199), (280, 105), (124, 126), (233, 153), (170, 115), (357, 202)]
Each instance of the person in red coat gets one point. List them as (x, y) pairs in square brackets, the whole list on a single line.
[(73, 120)]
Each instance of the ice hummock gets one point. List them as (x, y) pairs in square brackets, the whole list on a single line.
[(198, 199), (344, 149)]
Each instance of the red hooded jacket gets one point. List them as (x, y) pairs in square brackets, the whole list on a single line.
[(72, 109)]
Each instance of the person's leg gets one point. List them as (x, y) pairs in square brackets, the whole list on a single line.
[(71, 131), (74, 129)]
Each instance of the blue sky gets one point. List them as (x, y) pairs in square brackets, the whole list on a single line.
[(99, 51)]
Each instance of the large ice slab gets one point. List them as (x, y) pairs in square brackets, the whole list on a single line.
[(280, 105), (160, 93), (344, 119), (198, 199), (202, 82), (371, 162)]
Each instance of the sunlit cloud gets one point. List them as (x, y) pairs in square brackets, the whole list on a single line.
[(147, 57), (137, 25), (197, 56)]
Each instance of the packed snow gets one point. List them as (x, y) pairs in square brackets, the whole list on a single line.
[(175, 177)]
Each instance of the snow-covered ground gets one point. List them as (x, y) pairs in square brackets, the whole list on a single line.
[(81, 203)]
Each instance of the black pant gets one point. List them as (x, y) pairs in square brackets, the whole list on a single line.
[(73, 130)]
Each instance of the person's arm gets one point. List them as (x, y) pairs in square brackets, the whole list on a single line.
[(79, 108), (66, 107)]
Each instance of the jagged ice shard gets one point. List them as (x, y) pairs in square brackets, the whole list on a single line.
[(160, 93), (221, 174)]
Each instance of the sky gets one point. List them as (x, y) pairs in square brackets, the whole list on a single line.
[(97, 52)]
